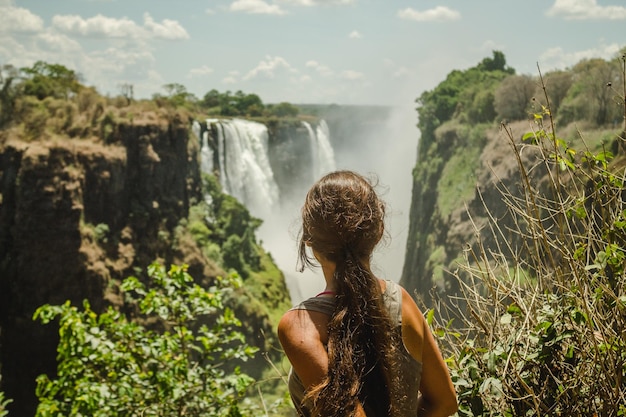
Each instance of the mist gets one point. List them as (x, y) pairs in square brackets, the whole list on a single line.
[(378, 142)]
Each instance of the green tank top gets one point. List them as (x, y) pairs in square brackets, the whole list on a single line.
[(411, 370)]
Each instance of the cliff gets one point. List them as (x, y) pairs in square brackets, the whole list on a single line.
[(77, 215), (466, 159), (456, 178)]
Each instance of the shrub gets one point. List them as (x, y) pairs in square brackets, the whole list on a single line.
[(109, 365), (3, 404), (541, 319)]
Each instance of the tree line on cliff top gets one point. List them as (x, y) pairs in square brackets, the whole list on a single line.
[(30, 95), (491, 91)]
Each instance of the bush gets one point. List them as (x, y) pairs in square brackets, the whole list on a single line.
[(3, 404), (109, 365), (540, 322)]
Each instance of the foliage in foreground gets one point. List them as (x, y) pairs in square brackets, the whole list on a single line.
[(3, 404), (542, 316), (108, 365)]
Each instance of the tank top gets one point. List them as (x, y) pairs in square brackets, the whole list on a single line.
[(410, 369)]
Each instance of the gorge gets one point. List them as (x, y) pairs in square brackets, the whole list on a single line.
[(270, 172), (78, 215)]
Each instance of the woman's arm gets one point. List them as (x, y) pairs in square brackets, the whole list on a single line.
[(302, 335), (438, 397)]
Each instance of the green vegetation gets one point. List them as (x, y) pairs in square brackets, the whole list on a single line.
[(3, 404), (463, 113), (225, 231), (49, 102), (241, 104), (465, 95), (108, 365), (538, 327)]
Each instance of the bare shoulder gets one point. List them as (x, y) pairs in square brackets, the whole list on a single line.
[(297, 325), (303, 336)]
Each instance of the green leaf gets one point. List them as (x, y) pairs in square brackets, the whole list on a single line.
[(528, 136)]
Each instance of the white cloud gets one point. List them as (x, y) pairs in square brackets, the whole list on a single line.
[(209, 11), (18, 19), (321, 69), (355, 35), (57, 42), (98, 26), (352, 75), (269, 67), (586, 9), (256, 7), (167, 29), (200, 71), (438, 14), (557, 58), (232, 77), (109, 27), (105, 68)]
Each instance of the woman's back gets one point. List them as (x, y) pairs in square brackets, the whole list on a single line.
[(410, 369), (359, 352)]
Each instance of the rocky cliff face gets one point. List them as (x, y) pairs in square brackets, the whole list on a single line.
[(457, 176), (76, 217)]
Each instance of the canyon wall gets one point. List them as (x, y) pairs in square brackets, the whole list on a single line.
[(79, 215)]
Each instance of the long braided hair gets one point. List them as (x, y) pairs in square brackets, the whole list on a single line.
[(343, 220)]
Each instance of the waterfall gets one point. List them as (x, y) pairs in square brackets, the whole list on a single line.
[(244, 167), (243, 159), (238, 151), (325, 153), (321, 149)]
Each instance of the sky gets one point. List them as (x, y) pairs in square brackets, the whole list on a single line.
[(303, 51)]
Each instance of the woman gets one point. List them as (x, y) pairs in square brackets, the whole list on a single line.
[(361, 347)]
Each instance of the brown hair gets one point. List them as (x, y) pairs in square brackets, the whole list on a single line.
[(343, 220)]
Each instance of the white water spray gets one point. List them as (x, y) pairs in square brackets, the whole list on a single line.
[(245, 171), (386, 148), (321, 150)]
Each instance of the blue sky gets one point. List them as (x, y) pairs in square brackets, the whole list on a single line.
[(303, 51)]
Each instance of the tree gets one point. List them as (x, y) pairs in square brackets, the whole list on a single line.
[(50, 80), (9, 88), (284, 109), (557, 84), (126, 90), (451, 97), (211, 99), (514, 96), (178, 95), (110, 366), (590, 96), (497, 63), (244, 102)]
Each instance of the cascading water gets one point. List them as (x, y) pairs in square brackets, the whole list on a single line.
[(305, 154), (244, 167), (240, 149), (321, 149)]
